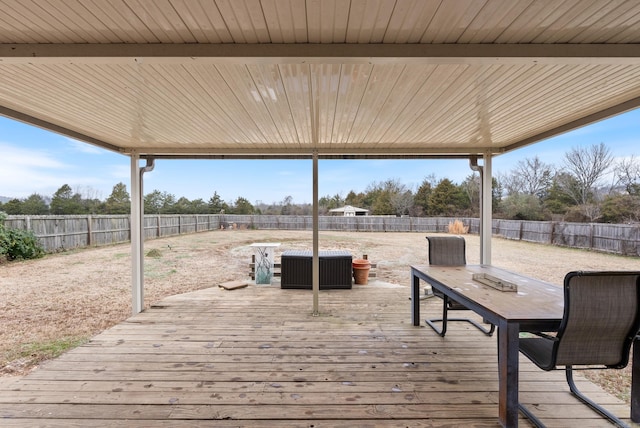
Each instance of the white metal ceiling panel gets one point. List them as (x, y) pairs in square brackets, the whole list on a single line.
[(298, 84), (377, 109), (124, 26), (245, 20), (490, 97), (272, 95), (409, 20), (286, 20), (368, 21), (325, 82), (327, 21)]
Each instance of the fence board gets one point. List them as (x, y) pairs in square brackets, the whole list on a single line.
[(616, 238), (107, 230)]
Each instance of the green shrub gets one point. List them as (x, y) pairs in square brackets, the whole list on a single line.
[(18, 244)]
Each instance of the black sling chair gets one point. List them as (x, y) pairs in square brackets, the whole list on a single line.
[(599, 324), (450, 251)]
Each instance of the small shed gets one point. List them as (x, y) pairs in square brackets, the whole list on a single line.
[(350, 211)]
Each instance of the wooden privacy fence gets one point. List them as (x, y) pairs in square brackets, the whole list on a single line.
[(612, 238), (57, 233), (350, 224), (64, 232)]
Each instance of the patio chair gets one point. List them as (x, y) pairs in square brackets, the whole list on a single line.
[(600, 321), (450, 251)]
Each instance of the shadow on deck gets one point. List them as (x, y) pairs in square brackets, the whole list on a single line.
[(257, 357)]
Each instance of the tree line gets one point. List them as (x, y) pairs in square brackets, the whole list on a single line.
[(576, 190)]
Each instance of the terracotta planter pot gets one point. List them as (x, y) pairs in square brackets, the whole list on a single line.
[(361, 269)]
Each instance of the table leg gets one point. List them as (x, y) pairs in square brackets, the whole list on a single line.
[(415, 299), (635, 381), (508, 354)]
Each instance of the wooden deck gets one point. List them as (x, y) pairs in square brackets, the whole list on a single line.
[(257, 357)]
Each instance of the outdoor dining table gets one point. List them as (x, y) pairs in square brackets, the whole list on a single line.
[(535, 306)]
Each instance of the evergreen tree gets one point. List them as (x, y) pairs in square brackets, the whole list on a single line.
[(620, 209), (447, 199), (242, 206), (168, 201), (557, 200), (153, 202), (65, 202), (182, 206), (119, 201), (216, 204), (521, 206), (382, 204), (355, 199), (13, 207), (199, 206), (35, 205), (421, 198)]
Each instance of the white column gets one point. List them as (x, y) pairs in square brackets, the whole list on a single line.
[(315, 271), (137, 260), (486, 224)]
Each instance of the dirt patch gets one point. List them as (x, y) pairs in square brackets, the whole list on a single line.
[(72, 296)]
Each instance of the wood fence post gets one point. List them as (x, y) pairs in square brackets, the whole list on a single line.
[(89, 230), (520, 231)]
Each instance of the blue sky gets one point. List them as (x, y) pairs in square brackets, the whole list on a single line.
[(36, 161)]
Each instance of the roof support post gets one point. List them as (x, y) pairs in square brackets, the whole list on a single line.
[(315, 269), (137, 231), (486, 209), (473, 164), (137, 260)]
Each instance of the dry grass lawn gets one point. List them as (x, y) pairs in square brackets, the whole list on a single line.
[(50, 304)]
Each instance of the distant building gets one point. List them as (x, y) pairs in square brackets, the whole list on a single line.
[(349, 211)]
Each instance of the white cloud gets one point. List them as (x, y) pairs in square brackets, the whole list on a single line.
[(23, 171), (84, 148), (27, 171), (18, 157), (19, 182)]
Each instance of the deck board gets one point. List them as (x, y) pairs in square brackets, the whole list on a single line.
[(257, 356)]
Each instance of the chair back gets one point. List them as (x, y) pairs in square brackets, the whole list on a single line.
[(600, 319), (447, 250)]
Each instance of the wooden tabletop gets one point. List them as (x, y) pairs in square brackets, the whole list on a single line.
[(534, 300)]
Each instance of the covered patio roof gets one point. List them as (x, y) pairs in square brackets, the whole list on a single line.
[(316, 79), (285, 78)]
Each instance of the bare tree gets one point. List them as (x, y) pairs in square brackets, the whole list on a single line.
[(471, 187), (628, 174), (531, 176), (511, 183), (587, 166), (402, 202)]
